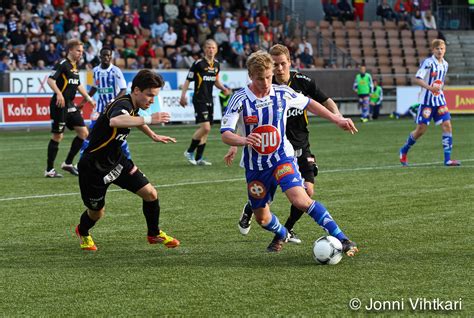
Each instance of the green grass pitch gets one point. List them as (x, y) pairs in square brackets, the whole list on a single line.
[(414, 227)]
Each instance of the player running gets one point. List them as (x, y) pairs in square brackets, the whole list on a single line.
[(104, 162), (260, 111), (296, 132)]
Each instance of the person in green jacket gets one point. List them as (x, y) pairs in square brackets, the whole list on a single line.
[(363, 87), (375, 100)]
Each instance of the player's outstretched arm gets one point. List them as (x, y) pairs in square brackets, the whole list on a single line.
[(155, 137), (233, 139), (125, 120), (343, 123)]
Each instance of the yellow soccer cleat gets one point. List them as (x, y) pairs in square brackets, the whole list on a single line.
[(163, 238), (87, 243)]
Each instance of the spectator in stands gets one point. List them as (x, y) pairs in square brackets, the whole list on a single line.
[(191, 47), (429, 21), (264, 17), (73, 33), (385, 11), (52, 55), (330, 9), (39, 53), (34, 27), (136, 21), (305, 44), (250, 28), (238, 54), (5, 64), (95, 7), (4, 39), (403, 8), (417, 21), (96, 43), (91, 58), (171, 11), (189, 21), (58, 27), (211, 12), (146, 50), (289, 27), (345, 10), (306, 58), (198, 11), (159, 28), (169, 41), (203, 30), (145, 17), (138, 63), (116, 8), (21, 59), (85, 15), (359, 9), (126, 27), (45, 9)]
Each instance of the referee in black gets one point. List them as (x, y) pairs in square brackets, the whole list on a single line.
[(296, 132), (205, 74), (64, 81), (103, 161)]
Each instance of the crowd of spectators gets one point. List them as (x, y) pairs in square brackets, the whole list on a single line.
[(415, 13), (169, 35)]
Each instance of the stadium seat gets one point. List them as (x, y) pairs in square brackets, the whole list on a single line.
[(431, 35), (140, 41), (398, 64), (340, 42), (319, 62), (369, 52), (353, 33), (146, 33), (364, 25), (394, 43), (354, 42), (336, 24), (326, 33), (367, 42), (155, 62), (351, 25), (412, 70), (407, 42), (390, 25), (339, 33), (379, 34), (392, 34), (401, 80), (323, 24), (383, 69), (159, 52), (409, 51), (120, 62), (381, 43), (119, 43), (396, 52), (411, 60), (129, 61), (377, 25), (382, 51), (383, 60), (405, 34)]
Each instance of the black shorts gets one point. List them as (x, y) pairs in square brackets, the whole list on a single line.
[(203, 112), (306, 163), (64, 117), (94, 183)]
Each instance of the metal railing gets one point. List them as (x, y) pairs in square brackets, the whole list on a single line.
[(454, 17)]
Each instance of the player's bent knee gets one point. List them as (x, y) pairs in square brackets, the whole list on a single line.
[(96, 214), (148, 193)]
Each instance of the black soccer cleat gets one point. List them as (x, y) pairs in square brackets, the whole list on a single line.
[(349, 247), (245, 220), (72, 169)]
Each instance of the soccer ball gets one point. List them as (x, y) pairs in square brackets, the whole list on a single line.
[(327, 250)]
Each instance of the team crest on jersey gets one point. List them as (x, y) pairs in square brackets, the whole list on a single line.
[(437, 83), (283, 170), (442, 110), (270, 139), (250, 120), (257, 189), (426, 112)]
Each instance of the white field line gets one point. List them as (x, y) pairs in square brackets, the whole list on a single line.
[(179, 184)]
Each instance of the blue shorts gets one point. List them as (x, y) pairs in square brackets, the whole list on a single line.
[(262, 185), (438, 113)]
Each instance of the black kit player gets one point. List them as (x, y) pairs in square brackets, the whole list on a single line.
[(64, 81), (296, 132), (205, 74), (103, 161)]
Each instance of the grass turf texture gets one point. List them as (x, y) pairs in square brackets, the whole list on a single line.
[(414, 227)]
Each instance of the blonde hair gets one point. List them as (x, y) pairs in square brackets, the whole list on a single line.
[(258, 62), (210, 41), (279, 49), (73, 43), (437, 42)]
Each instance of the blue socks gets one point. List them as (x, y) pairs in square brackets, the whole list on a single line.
[(410, 142), (447, 141), (275, 227), (321, 215)]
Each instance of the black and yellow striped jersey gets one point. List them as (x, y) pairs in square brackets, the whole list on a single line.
[(297, 120), (204, 75), (105, 141), (66, 75)]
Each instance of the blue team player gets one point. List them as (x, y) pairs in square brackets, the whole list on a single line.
[(259, 113), (110, 83), (430, 77)]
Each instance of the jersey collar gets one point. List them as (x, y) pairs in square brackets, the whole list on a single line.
[(252, 96)]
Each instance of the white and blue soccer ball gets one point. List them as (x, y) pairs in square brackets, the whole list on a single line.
[(327, 250)]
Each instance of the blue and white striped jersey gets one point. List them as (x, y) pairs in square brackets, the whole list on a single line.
[(266, 116), (433, 73), (108, 82)]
